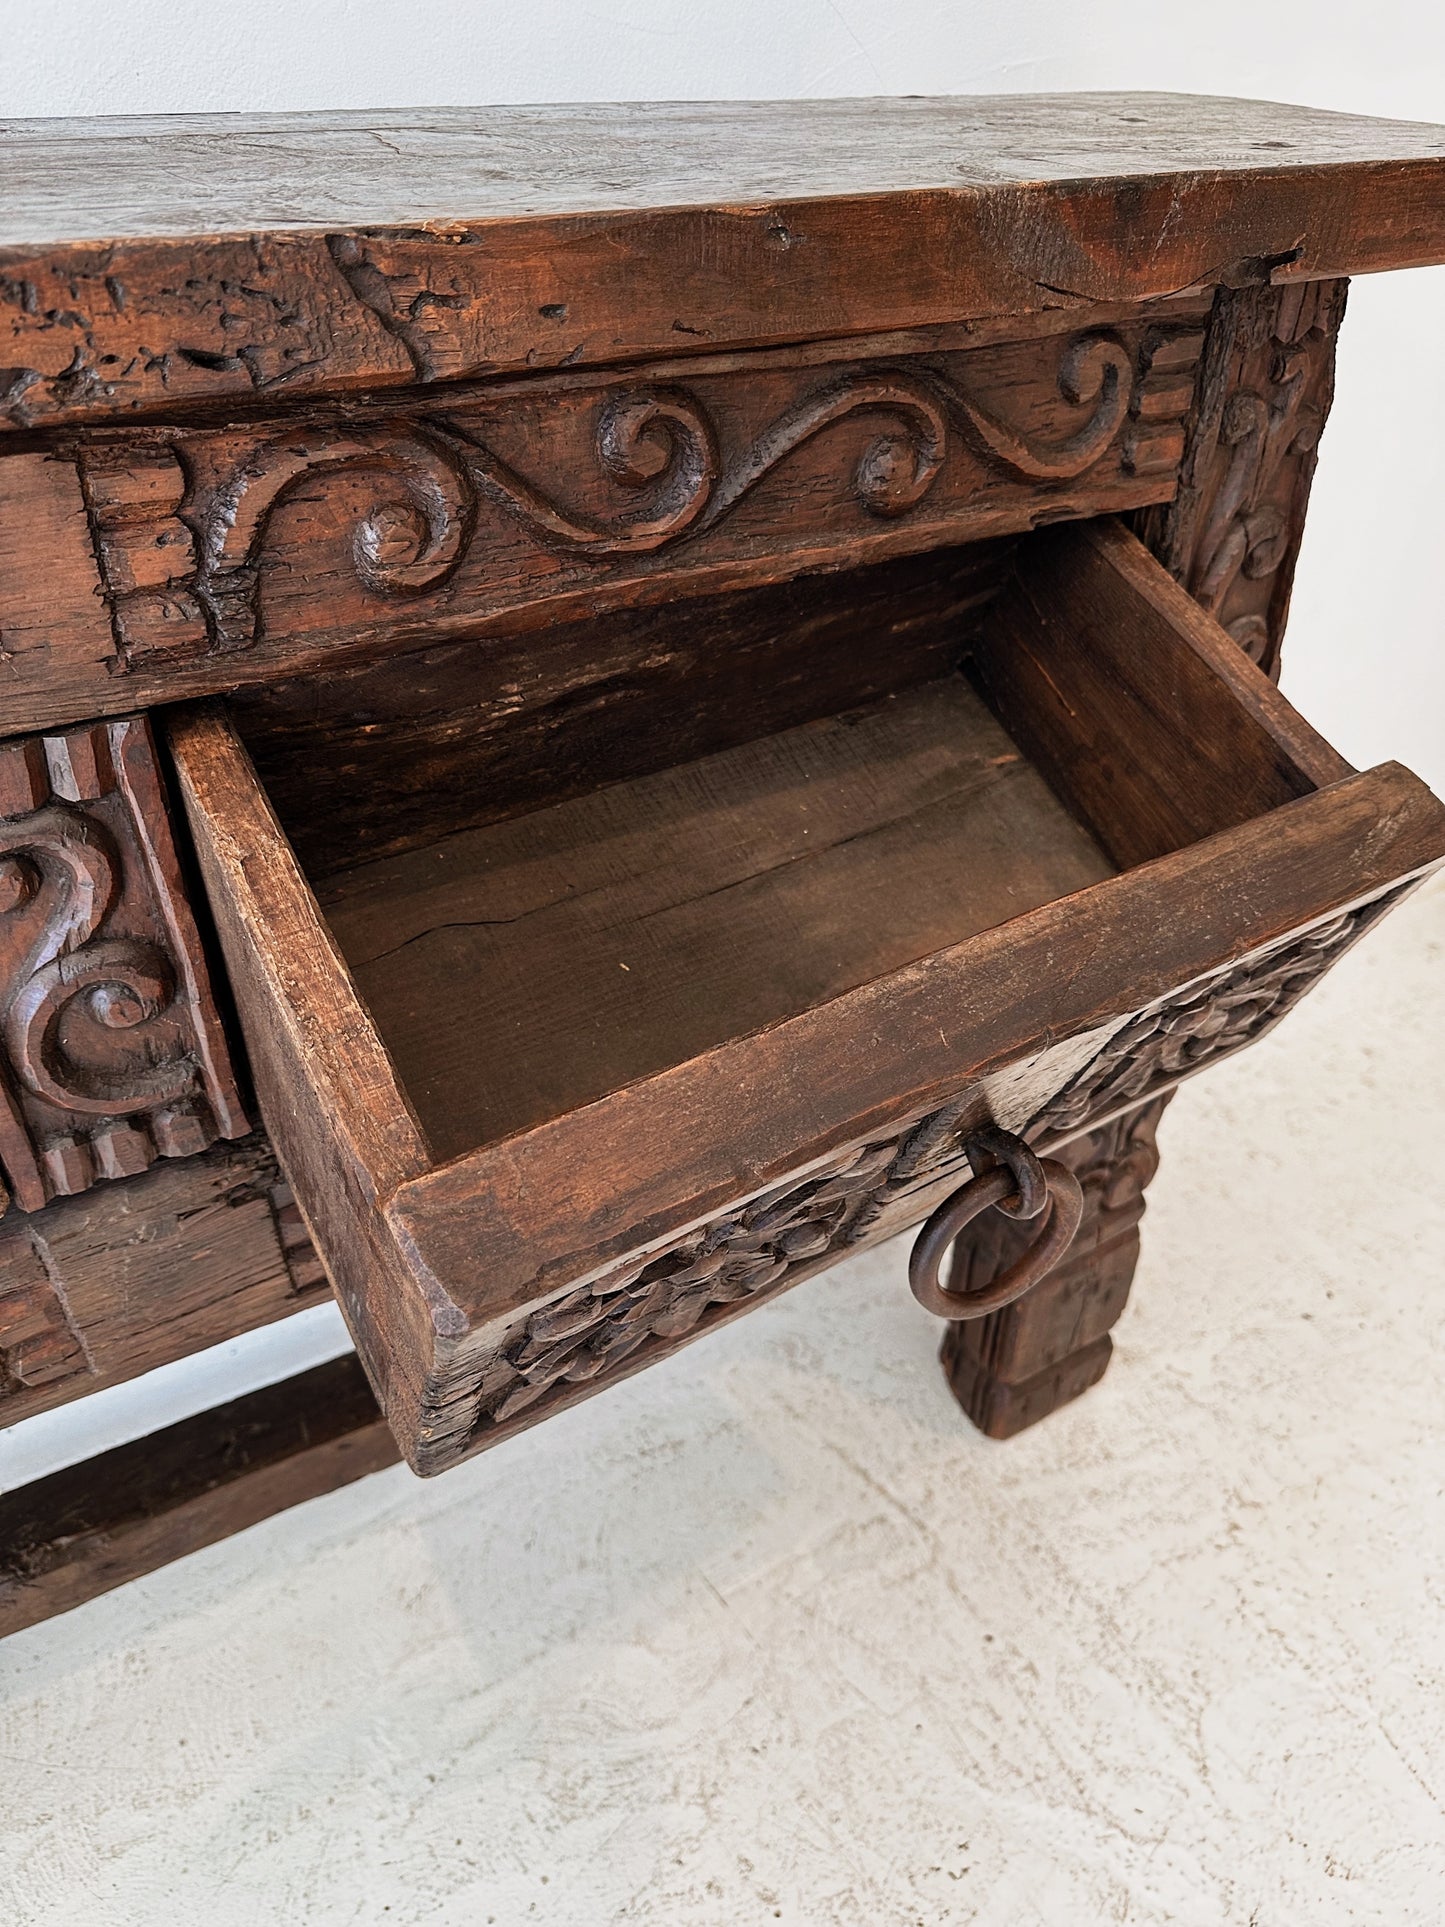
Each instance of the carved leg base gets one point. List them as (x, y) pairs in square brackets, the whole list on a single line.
[(1000, 1409), (1016, 1366)]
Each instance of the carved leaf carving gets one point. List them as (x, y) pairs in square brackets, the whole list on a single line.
[(1267, 382), (591, 1333), (1193, 1027)]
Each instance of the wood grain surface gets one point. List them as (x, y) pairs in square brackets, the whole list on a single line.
[(152, 263), (521, 971), (1137, 705), (99, 1288), (1232, 533), (782, 1599), (385, 756), (196, 174)]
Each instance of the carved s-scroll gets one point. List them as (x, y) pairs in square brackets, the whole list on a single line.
[(1096, 370), (59, 874), (183, 522), (53, 1025), (110, 1052), (408, 542), (662, 441)]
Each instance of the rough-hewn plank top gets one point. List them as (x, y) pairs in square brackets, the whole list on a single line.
[(198, 174), (150, 262)]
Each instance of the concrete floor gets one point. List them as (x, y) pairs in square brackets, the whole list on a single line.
[(770, 1635)]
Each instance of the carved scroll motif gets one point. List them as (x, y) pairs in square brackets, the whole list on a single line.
[(183, 521), (110, 1051), (1232, 534)]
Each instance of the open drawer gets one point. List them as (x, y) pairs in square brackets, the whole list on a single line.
[(559, 1092)]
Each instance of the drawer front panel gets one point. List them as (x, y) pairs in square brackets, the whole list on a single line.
[(239, 554), (612, 1325)]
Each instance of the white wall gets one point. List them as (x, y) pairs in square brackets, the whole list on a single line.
[(129, 56), (1366, 654)]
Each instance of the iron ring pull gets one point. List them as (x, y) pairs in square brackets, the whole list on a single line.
[(1022, 1186)]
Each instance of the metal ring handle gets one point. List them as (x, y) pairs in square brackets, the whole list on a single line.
[(991, 1145), (1065, 1209)]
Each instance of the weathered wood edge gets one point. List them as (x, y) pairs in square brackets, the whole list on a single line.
[(333, 307), (110, 1284), (1094, 647), (342, 1125), (441, 167)]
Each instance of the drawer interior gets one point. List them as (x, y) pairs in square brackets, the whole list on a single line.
[(1021, 738), (522, 969)]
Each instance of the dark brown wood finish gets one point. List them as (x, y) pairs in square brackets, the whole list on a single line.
[(1016, 1366), (390, 755), (571, 1198), (149, 264), (1232, 533), (1136, 705), (1231, 537), (98, 1288), (520, 971), (111, 1052), (79, 1533), (496, 458), (234, 555)]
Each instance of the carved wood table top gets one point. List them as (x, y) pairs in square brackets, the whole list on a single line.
[(639, 684)]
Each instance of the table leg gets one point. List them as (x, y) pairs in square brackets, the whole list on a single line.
[(1017, 1365)]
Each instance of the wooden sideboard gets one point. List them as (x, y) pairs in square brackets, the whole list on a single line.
[(603, 706)]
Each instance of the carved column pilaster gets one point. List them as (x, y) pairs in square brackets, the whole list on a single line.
[(111, 1053), (1266, 380)]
